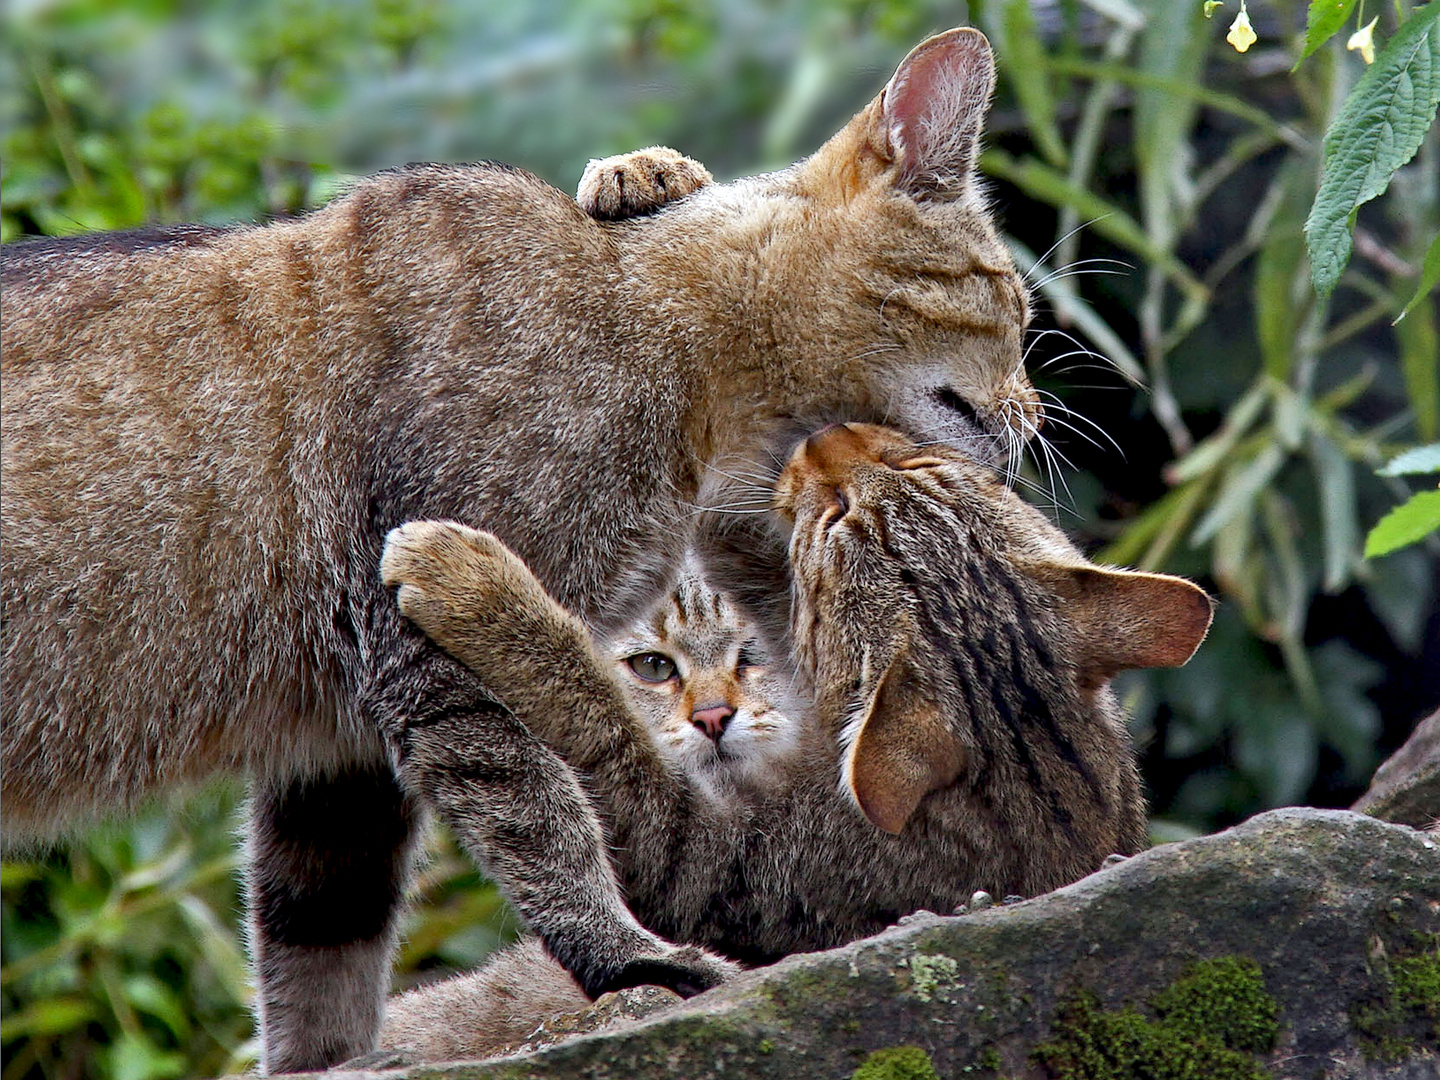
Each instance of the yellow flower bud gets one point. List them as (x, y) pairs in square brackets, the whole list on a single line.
[(1210, 6), (1363, 41), (1242, 34)]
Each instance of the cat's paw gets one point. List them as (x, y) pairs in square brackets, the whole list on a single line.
[(686, 969), (637, 183), (453, 581)]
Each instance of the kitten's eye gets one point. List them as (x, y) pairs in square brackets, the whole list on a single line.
[(747, 658), (653, 667)]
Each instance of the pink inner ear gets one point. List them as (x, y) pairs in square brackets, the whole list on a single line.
[(935, 106)]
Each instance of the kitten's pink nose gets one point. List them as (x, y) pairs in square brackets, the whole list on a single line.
[(711, 719)]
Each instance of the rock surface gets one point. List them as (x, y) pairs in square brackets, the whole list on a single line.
[(1406, 788), (1333, 915)]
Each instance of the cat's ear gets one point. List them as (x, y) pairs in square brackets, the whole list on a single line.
[(904, 749), (932, 112), (1125, 619)]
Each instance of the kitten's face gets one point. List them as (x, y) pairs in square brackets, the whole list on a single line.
[(705, 686)]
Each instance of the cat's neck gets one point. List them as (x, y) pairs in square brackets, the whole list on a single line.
[(708, 267)]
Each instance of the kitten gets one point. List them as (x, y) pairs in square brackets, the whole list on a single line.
[(206, 434), (682, 668), (960, 650)]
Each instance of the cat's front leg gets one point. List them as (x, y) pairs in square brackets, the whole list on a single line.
[(521, 813), (478, 601)]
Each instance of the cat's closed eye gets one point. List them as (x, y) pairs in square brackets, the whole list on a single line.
[(652, 667)]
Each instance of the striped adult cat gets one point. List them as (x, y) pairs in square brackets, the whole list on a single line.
[(207, 433), (960, 650)]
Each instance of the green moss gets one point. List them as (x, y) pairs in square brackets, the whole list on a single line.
[(766, 1046), (897, 1063), (1223, 998), (1209, 1024), (1406, 1006), (1417, 984)]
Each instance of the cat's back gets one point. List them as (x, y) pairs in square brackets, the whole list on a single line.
[(191, 418), (408, 228)]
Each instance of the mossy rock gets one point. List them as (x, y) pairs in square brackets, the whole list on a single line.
[(1301, 945)]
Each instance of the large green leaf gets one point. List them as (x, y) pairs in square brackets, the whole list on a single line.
[(1242, 485), (1334, 476), (1279, 280), (1322, 21), (1379, 128), (1172, 46), (1408, 523)]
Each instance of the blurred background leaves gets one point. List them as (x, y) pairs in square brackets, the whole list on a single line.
[(1210, 415)]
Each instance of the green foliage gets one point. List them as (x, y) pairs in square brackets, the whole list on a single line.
[(1379, 128), (897, 1063), (1409, 523), (1323, 20), (1270, 493), (120, 954), (1404, 1011), (1417, 462), (1209, 1024), (1414, 519), (122, 958)]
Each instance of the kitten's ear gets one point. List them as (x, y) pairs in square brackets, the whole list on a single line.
[(932, 112), (1129, 619), (904, 749)]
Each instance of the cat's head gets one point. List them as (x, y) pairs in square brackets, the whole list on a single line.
[(879, 286), (943, 617), (716, 704)]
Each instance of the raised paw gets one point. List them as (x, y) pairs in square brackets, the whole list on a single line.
[(686, 969), (457, 583), (638, 183)]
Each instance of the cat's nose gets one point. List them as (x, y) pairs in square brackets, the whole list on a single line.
[(711, 719)]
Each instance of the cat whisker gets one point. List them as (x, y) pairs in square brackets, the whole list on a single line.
[(1083, 225), (1068, 355), (698, 510), (1048, 456), (1069, 419), (876, 349), (1083, 267), (1080, 348)]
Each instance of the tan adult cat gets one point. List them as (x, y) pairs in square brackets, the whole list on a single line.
[(207, 433)]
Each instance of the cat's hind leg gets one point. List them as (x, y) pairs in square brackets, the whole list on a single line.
[(328, 859), (638, 183)]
